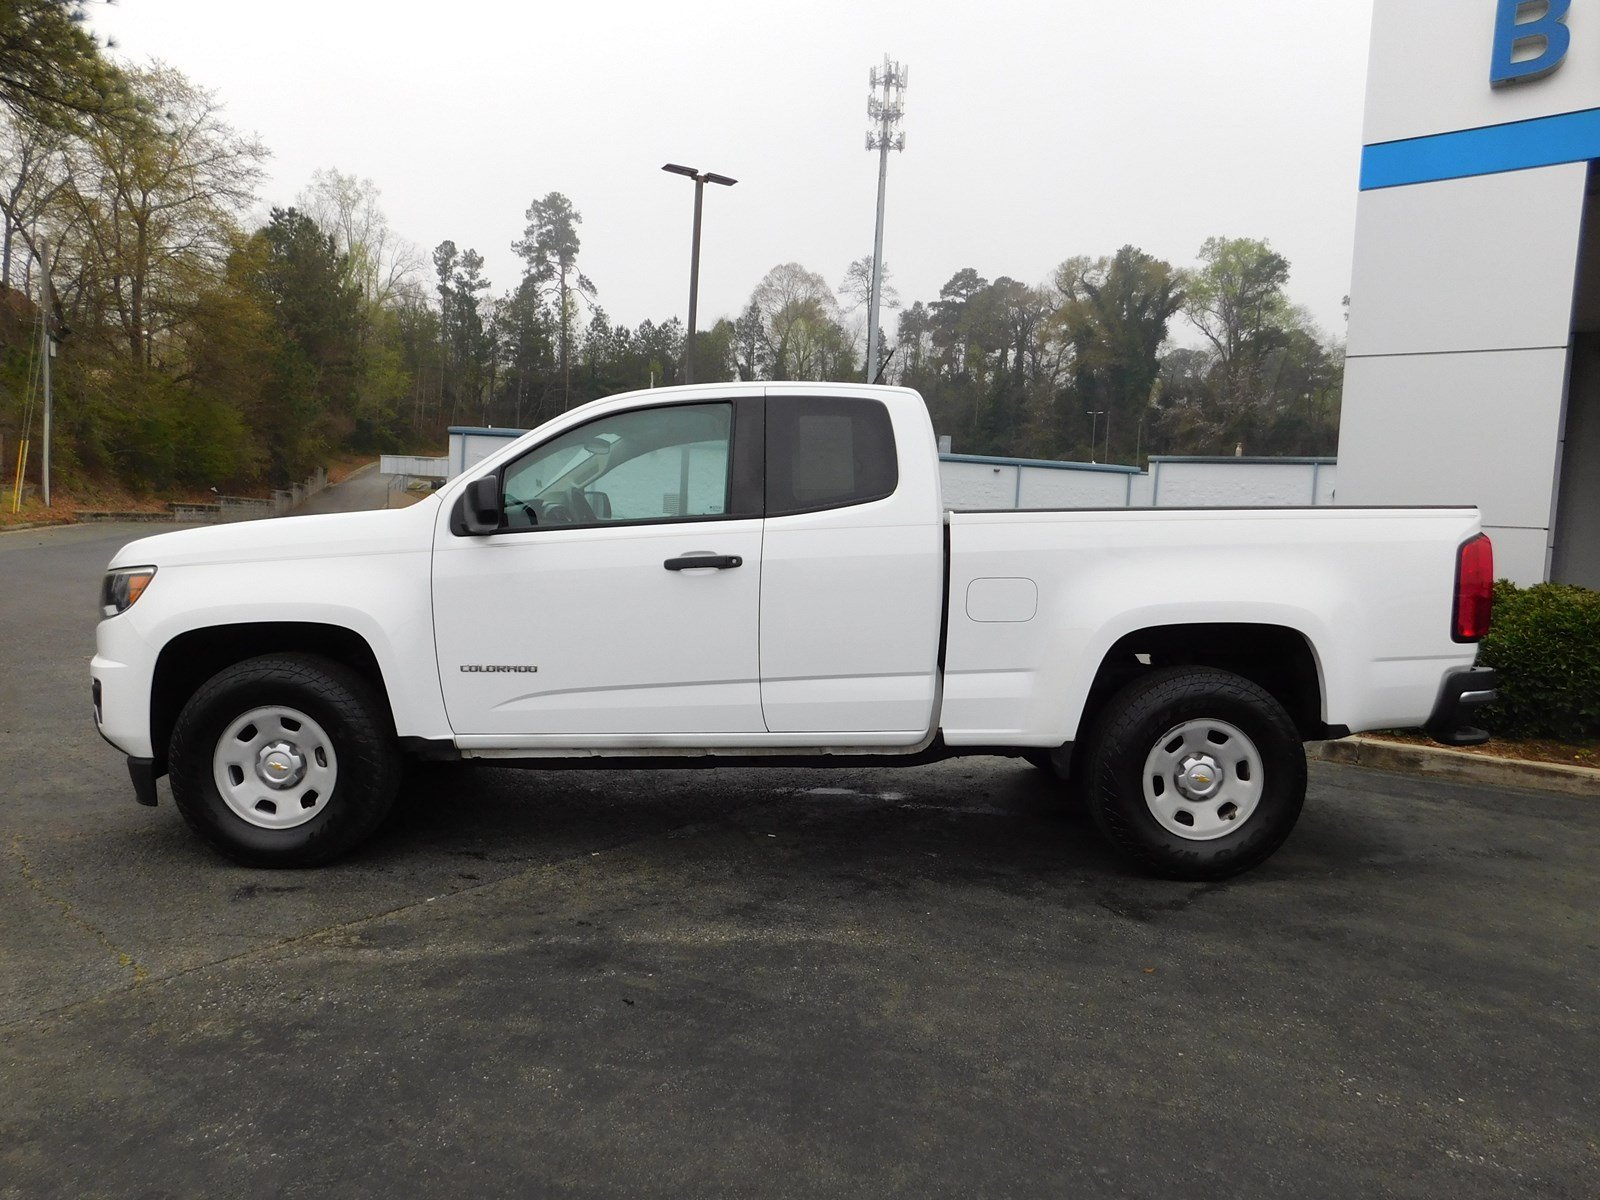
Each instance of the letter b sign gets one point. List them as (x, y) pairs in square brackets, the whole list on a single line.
[(1518, 24)]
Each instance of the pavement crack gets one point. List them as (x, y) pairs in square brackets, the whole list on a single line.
[(68, 911)]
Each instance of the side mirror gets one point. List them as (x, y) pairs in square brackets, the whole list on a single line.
[(599, 504), (482, 510)]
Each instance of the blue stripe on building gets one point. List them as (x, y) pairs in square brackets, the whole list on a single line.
[(1542, 142)]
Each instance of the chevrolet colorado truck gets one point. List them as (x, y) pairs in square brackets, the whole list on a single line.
[(765, 574)]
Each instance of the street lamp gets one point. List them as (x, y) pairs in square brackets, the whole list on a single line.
[(1094, 415), (700, 181)]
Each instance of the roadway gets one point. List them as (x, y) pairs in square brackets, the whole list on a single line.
[(928, 981)]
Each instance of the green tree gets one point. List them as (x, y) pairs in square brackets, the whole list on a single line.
[(318, 314), (1114, 313), (714, 353), (528, 344), (750, 344), (52, 71), (469, 345), (660, 351), (1236, 299), (1270, 380), (549, 246)]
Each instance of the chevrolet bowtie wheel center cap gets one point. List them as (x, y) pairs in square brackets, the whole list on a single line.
[(1200, 777), (280, 765)]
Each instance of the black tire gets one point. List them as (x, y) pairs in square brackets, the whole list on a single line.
[(1135, 726), (357, 724)]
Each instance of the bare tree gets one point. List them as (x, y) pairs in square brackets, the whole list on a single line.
[(348, 208), (31, 177), (801, 322), (857, 286)]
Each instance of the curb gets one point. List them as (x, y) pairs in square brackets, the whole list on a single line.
[(27, 525), (1441, 762), (99, 516)]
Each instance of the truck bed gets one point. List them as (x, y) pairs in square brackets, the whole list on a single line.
[(1039, 597)]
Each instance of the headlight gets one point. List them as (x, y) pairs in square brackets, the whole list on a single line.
[(122, 588)]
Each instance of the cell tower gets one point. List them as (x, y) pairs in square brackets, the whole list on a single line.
[(885, 105)]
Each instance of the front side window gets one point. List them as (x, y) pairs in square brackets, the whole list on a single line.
[(650, 464)]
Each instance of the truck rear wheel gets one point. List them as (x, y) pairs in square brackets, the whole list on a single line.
[(1196, 773), (284, 761)]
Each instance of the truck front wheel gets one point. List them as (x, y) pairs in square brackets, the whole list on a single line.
[(287, 760), (1196, 773)]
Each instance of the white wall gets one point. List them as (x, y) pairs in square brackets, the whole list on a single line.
[(1429, 70), (1176, 482), (1046, 488), (1462, 289), (1457, 363), (1467, 264)]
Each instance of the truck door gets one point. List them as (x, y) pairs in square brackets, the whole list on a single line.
[(852, 570), (586, 613)]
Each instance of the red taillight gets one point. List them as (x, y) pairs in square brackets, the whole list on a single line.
[(1474, 589)]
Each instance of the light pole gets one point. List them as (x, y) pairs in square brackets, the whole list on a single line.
[(700, 181), (1094, 415)]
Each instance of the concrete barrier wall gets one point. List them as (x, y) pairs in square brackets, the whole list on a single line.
[(976, 482), (415, 465), (1180, 482)]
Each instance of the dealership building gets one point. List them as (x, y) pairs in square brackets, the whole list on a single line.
[(1474, 338)]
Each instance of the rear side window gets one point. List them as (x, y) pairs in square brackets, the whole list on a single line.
[(827, 453)]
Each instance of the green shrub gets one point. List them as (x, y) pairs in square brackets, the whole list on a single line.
[(1545, 642)]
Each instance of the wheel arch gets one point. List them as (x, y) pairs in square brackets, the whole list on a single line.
[(194, 656), (1278, 658)]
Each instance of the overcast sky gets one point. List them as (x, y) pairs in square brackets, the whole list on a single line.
[(1034, 131)]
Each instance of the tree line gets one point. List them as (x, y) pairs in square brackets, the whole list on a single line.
[(200, 348)]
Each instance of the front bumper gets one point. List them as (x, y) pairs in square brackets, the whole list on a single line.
[(1463, 693), (120, 674)]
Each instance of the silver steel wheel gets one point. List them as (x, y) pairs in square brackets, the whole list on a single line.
[(1203, 779), (275, 767)]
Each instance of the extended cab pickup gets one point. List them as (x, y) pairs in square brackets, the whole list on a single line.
[(764, 573)]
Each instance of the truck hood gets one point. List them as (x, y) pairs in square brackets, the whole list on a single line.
[(332, 535)]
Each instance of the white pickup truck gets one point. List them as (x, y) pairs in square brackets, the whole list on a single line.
[(764, 573)]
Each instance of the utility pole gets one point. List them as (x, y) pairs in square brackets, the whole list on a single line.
[(46, 345), (886, 109)]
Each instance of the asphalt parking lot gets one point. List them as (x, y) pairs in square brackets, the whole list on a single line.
[(930, 981)]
